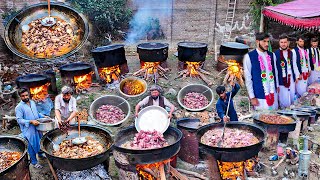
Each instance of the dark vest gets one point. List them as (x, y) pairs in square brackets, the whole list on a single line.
[(310, 57), (296, 49), (256, 74), (161, 101), (279, 68)]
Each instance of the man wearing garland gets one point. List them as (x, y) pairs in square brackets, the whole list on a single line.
[(301, 66), (286, 76), (261, 75), (314, 57)]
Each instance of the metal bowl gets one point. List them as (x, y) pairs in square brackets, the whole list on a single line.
[(199, 88), (152, 118), (111, 100), (45, 126), (142, 82), (13, 29)]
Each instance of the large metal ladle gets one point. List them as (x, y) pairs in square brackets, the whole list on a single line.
[(48, 21), (79, 140)]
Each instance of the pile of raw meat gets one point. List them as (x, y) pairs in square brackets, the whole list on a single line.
[(233, 138), (109, 114), (68, 150), (147, 140), (8, 158), (314, 88), (275, 119), (194, 100)]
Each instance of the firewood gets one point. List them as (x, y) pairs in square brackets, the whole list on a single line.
[(149, 171), (52, 170), (176, 174), (163, 69), (138, 72), (205, 72), (203, 77), (162, 173), (197, 175)]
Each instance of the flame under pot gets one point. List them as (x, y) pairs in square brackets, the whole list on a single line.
[(31, 80)]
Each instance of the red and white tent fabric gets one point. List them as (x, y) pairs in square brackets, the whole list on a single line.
[(302, 14)]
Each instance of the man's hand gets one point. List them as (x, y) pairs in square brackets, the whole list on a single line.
[(254, 102), (300, 77), (34, 122), (226, 119), (278, 90)]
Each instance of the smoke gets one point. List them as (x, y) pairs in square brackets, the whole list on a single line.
[(147, 10)]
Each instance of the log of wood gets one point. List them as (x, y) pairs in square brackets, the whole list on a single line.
[(52, 170), (162, 173), (203, 77), (197, 175), (162, 69), (138, 72), (176, 174), (205, 72)]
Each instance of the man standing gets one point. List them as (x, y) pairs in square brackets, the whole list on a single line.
[(223, 101), (314, 58), (155, 99), (301, 66), (65, 106), (27, 115), (261, 75), (285, 72)]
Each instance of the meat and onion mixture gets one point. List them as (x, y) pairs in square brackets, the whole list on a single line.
[(146, 140), (233, 138), (132, 87), (45, 42), (8, 158), (110, 114), (68, 150), (194, 100), (275, 119)]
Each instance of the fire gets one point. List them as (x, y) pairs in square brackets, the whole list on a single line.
[(40, 92), (151, 171), (151, 67), (234, 70), (110, 74), (249, 165), (231, 170), (193, 67), (83, 82)]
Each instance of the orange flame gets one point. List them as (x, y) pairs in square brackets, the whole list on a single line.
[(151, 67), (231, 170), (234, 68), (83, 82), (143, 169), (192, 67), (249, 165), (40, 92), (110, 73)]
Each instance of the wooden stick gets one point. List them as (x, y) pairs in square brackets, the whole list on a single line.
[(205, 72), (203, 77), (176, 174), (52, 170), (192, 173), (162, 69), (162, 173), (149, 171), (138, 72)]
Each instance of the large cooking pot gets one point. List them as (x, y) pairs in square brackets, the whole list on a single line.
[(96, 132), (199, 88), (153, 52), (311, 111), (231, 51), (75, 69), (108, 56), (148, 156), (111, 100), (233, 154), (13, 29), (31, 80), (282, 127), (192, 51), (20, 169)]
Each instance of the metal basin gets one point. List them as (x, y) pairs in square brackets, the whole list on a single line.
[(111, 100), (142, 82), (199, 88), (44, 125), (13, 29)]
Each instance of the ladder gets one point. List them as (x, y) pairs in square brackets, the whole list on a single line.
[(229, 19)]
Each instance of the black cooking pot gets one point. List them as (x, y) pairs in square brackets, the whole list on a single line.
[(233, 154), (233, 51), (192, 51), (108, 56), (20, 169), (96, 132), (31, 80), (283, 128), (153, 52), (75, 69), (13, 30), (148, 156), (311, 111)]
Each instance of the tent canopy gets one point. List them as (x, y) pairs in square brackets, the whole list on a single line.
[(298, 14)]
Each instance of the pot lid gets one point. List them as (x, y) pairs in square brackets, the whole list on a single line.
[(31, 78), (152, 118), (233, 48), (75, 67), (293, 112), (107, 48), (152, 46), (235, 45), (192, 44)]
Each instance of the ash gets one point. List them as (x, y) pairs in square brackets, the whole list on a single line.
[(96, 173)]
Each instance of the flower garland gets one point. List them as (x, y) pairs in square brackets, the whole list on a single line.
[(286, 81), (305, 75), (313, 56), (268, 90)]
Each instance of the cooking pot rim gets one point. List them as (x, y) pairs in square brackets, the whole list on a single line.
[(163, 45), (187, 44), (107, 48)]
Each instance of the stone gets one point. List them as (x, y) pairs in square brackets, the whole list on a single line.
[(172, 92)]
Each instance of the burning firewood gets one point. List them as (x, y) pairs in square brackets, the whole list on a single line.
[(194, 69), (150, 69), (234, 70)]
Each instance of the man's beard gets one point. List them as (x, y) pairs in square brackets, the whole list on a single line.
[(283, 48), (300, 46), (262, 48), (154, 97), (66, 100), (26, 100)]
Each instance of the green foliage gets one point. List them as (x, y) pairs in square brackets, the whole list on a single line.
[(108, 16), (257, 5)]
